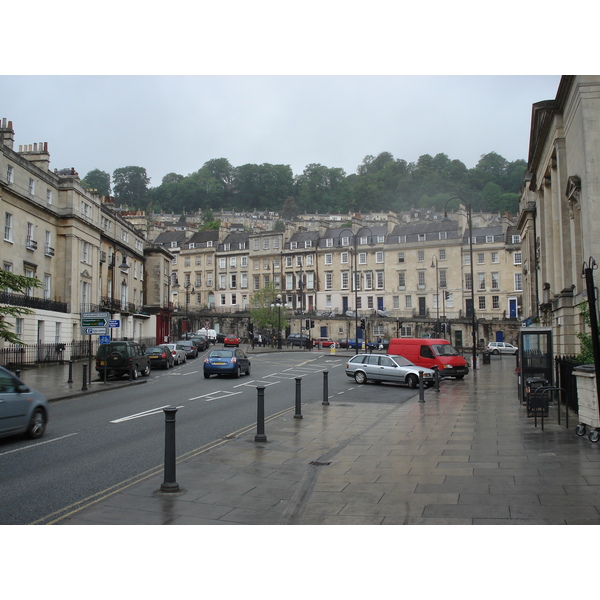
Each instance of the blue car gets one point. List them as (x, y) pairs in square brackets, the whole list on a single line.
[(361, 346), (227, 361)]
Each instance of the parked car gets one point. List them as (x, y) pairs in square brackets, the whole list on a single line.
[(342, 343), (160, 357), (227, 361), (501, 348), (120, 358), (189, 347), (322, 342), (387, 367), (297, 339), (22, 409), (201, 342), (178, 353), (220, 338), (361, 344), (209, 334), (231, 340)]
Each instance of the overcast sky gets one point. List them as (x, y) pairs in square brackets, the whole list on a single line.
[(176, 123), (169, 87)]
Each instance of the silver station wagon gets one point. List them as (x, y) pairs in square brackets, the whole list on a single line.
[(387, 367)]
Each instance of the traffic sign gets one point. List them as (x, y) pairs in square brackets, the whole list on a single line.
[(114, 323), (94, 323), (104, 339)]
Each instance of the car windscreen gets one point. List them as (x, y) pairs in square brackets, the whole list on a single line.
[(445, 350), (221, 354), (404, 362)]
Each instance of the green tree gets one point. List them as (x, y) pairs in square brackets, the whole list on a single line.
[(131, 186), (97, 180), (15, 284), (264, 316)]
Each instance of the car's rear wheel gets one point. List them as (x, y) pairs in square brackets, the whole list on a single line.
[(206, 375), (146, 371), (495, 351), (134, 373), (360, 377), (238, 372), (248, 370), (37, 424)]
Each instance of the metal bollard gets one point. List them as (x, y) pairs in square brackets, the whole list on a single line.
[(18, 374), (436, 378), (260, 415), (84, 386), (298, 414), (421, 388), (169, 484), (70, 380), (325, 388)]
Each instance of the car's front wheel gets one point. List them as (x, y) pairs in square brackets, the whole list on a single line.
[(412, 381), (37, 424), (360, 377)]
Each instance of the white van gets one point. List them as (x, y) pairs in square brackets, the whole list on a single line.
[(211, 334)]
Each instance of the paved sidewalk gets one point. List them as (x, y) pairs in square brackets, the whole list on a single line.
[(467, 455)]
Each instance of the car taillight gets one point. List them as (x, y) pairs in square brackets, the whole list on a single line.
[(233, 360), (206, 360), (164, 355)]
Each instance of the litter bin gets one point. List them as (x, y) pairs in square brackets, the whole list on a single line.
[(486, 358), (537, 403)]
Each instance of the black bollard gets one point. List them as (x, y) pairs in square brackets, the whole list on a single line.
[(298, 414), (260, 415), (421, 388), (325, 388), (70, 380), (18, 373), (84, 387), (436, 378), (169, 484)]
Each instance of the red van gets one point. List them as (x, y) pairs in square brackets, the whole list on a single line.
[(430, 352)]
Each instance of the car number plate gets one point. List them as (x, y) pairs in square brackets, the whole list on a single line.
[(219, 363), (153, 356), (101, 363)]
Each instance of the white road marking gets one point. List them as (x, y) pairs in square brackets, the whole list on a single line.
[(218, 395), (39, 444), (146, 413)]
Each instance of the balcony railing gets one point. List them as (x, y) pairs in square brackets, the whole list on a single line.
[(31, 302)]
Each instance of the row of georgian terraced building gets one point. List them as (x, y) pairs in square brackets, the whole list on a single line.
[(402, 277)]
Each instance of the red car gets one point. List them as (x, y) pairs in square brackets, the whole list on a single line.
[(323, 341), (231, 340)]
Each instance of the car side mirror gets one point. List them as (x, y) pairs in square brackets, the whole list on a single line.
[(22, 389)]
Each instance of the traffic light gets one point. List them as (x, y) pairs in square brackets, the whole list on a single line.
[(312, 323), (363, 324), (447, 295), (307, 324)]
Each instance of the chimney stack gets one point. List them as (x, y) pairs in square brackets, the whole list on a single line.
[(7, 134)]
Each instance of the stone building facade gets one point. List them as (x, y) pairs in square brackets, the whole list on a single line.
[(560, 208)]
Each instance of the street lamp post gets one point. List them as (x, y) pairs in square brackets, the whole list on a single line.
[(474, 320), (278, 305), (354, 276), (189, 289), (437, 295)]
